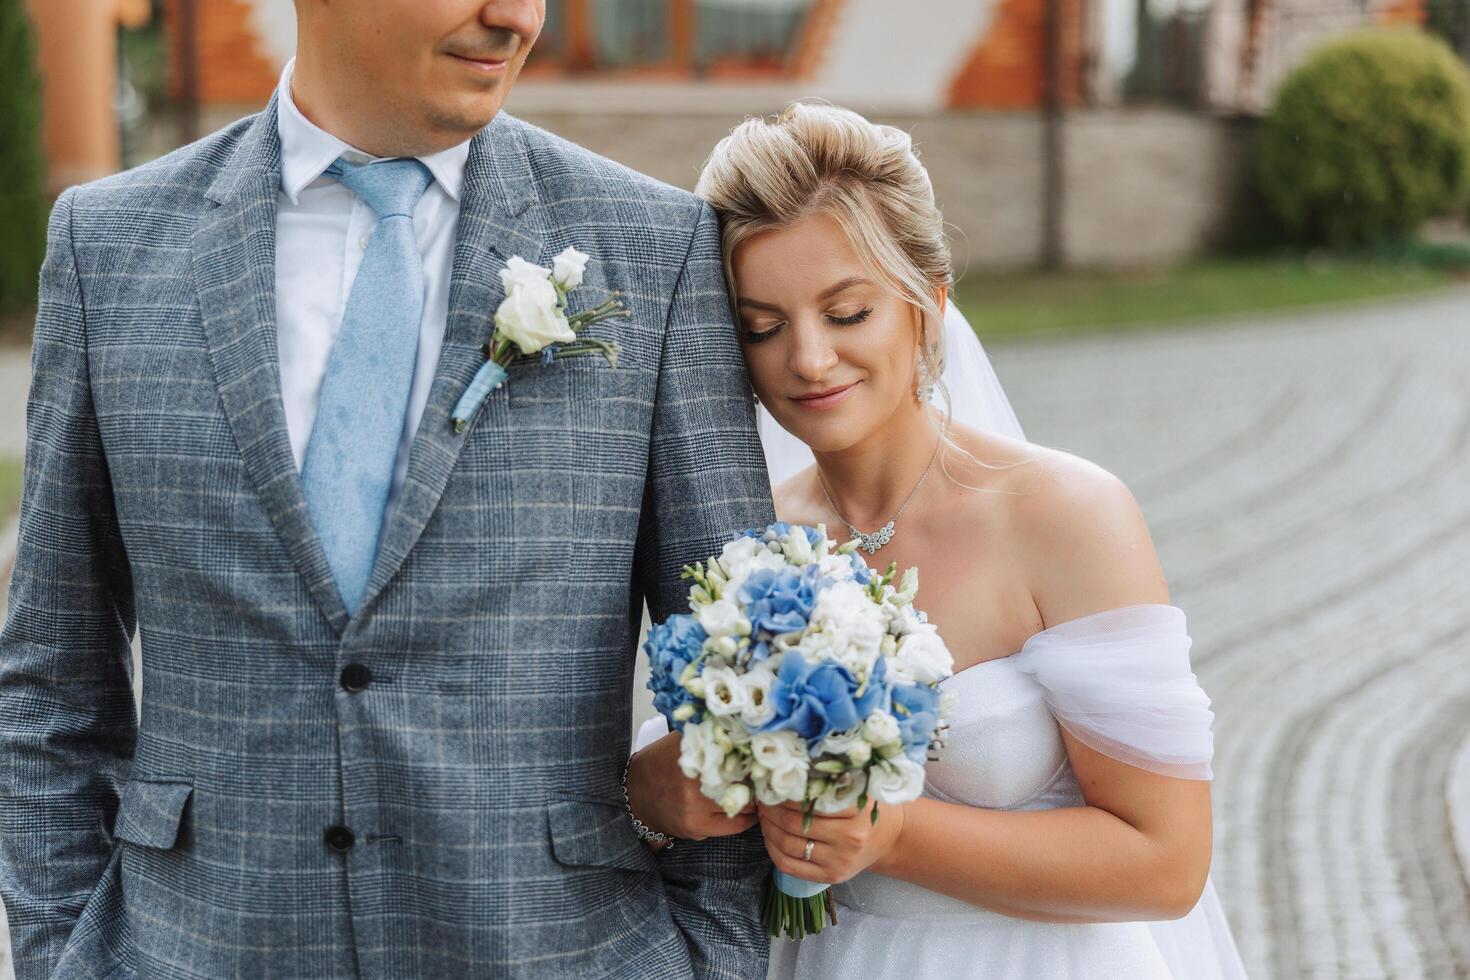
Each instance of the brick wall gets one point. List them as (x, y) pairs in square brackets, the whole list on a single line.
[(1007, 68), (232, 65)]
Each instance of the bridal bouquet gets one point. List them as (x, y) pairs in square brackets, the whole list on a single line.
[(800, 675)]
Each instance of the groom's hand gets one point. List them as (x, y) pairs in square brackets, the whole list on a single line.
[(671, 803)]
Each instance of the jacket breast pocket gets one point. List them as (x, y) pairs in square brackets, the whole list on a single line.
[(152, 812)]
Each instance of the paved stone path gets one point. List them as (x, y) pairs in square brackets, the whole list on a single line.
[(1307, 480)]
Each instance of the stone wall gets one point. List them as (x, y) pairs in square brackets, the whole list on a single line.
[(1142, 187)]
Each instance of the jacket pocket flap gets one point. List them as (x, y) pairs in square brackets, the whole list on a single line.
[(598, 833), (151, 811)]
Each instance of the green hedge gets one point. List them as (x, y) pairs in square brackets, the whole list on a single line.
[(22, 205), (1367, 139)]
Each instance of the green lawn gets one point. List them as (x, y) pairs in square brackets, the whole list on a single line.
[(1039, 303), (9, 488)]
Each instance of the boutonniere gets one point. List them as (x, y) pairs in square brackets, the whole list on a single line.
[(532, 320)]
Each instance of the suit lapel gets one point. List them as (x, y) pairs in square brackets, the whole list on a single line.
[(497, 219), (234, 249)]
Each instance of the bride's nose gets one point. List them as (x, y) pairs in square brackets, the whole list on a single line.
[(811, 354)]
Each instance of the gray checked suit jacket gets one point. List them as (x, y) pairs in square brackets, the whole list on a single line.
[(268, 815)]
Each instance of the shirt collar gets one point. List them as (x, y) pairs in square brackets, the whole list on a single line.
[(307, 150)]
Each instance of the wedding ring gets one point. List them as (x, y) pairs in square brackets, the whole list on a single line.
[(806, 855)]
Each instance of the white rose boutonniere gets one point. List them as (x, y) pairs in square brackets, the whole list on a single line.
[(532, 319)]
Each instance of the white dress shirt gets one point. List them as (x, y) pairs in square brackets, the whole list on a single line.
[(322, 230)]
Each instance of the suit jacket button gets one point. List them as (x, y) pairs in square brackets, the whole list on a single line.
[(339, 839), (356, 677)]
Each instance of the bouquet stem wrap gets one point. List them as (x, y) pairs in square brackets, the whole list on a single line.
[(796, 907)]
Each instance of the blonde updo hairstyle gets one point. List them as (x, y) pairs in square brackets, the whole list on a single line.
[(816, 157)]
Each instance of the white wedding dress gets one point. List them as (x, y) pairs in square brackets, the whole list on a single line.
[(1120, 682)]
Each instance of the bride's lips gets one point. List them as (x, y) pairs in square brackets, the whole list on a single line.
[(819, 400)]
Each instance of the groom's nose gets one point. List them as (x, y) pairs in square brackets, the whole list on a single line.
[(524, 17)]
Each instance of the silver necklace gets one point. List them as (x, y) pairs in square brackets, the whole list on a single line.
[(872, 542)]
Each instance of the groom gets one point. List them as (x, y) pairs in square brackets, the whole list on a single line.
[(400, 765)]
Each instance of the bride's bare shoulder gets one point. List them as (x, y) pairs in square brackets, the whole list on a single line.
[(1078, 529)]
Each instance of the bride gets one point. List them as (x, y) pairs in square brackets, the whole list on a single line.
[(1065, 829)]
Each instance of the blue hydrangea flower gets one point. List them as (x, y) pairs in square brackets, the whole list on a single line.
[(814, 699), (918, 721), (780, 601), (672, 646)]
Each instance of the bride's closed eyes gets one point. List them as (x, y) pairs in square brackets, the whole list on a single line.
[(763, 330)]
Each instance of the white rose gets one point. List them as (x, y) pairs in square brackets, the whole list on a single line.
[(568, 268), (529, 317), (724, 695), (758, 708), (843, 792), (881, 729), (922, 658), (735, 798), (723, 618), (896, 781), (518, 272)]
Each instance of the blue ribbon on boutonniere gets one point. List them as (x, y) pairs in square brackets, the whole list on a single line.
[(533, 319)]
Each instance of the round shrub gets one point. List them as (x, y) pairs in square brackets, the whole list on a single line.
[(1368, 138)]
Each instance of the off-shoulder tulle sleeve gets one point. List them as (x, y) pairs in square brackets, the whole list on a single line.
[(1120, 683)]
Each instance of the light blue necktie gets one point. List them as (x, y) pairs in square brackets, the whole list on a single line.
[(353, 446)]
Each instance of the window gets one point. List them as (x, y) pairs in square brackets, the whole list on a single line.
[(670, 37)]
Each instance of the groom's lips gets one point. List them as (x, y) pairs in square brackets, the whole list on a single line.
[(824, 399), (485, 66)]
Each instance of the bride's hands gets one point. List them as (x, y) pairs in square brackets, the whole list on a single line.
[(844, 843), (670, 802)]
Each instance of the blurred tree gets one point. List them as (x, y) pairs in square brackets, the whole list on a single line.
[(22, 168)]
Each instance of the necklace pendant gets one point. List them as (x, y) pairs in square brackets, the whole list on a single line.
[(872, 542)]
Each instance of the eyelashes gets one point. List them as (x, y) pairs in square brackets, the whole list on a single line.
[(755, 337)]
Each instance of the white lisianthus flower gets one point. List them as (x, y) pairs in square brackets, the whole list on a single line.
[(744, 556), (735, 798), (797, 548), (845, 627), (859, 753), (567, 269), (789, 784), (723, 617), (840, 743), (778, 751), (700, 757), (881, 729), (724, 695), (921, 658), (843, 792), (758, 708), (530, 318), (898, 780), (903, 620)]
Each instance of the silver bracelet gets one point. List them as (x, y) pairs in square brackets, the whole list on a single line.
[(644, 832)]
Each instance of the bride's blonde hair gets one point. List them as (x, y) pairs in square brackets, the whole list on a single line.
[(817, 158)]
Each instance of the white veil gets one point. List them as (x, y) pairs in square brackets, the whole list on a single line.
[(977, 399)]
